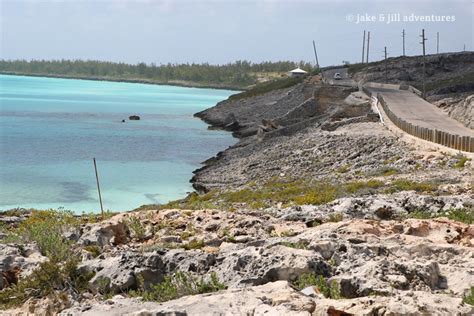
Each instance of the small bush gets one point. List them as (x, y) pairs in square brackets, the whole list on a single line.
[(268, 86), (310, 279), (469, 299), (194, 244), (461, 161), (343, 169), (136, 226), (319, 194), (51, 278), (357, 186), (335, 217), (420, 214), (464, 215), (181, 284), (408, 185), (93, 249), (46, 229)]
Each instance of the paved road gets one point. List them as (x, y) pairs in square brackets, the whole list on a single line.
[(413, 109), (345, 81)]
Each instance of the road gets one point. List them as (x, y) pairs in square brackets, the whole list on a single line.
[(345, 81), (408, 106)]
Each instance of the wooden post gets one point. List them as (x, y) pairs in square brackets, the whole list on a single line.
[(98, 188)]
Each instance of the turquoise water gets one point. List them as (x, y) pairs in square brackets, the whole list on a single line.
[(50, 130)]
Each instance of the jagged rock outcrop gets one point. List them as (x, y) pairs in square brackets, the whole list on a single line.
[(17, 261), (459, 108), (399, 267)]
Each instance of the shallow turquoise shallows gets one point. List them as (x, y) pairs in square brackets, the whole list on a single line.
[(51, 129)]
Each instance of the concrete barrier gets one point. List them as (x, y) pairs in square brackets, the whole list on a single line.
[(462, 143)]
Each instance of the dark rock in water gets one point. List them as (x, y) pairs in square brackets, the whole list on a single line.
[(123, 121), (134, 118)]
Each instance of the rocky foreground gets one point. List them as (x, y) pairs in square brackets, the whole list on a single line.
[(377, 262)]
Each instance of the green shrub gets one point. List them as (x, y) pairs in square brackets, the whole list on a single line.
[(461, 161), (51, 278), (408, 185), (464, 215), (319, 194), (469, 299), (343, 169), (268, 86), (46, 229), (310, 279), (93, 249), (181, 284), (194, 244), (136, 226), (357, 186), (420, 214), (335, 217)]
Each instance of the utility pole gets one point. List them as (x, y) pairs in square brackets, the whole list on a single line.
[(464, 49), (437, 42), (98, 188), (403, 35), (386, 77), (423, 40), (315, 54), (363, 48), (368, 43)]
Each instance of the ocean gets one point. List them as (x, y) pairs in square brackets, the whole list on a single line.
[(51, 129)]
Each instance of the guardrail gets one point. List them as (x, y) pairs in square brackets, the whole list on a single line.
[(463, 143)]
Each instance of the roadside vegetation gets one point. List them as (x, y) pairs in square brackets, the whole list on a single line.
[(267, 86)]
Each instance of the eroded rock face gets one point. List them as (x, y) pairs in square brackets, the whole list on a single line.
[(17, 261), (276, 298), (377, 264), (393, 266), (110, 232), (379, 207), (459, 108)]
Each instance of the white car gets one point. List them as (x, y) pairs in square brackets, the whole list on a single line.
[(337, 76)]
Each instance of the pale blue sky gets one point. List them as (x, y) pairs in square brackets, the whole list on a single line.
[(163, 31)]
